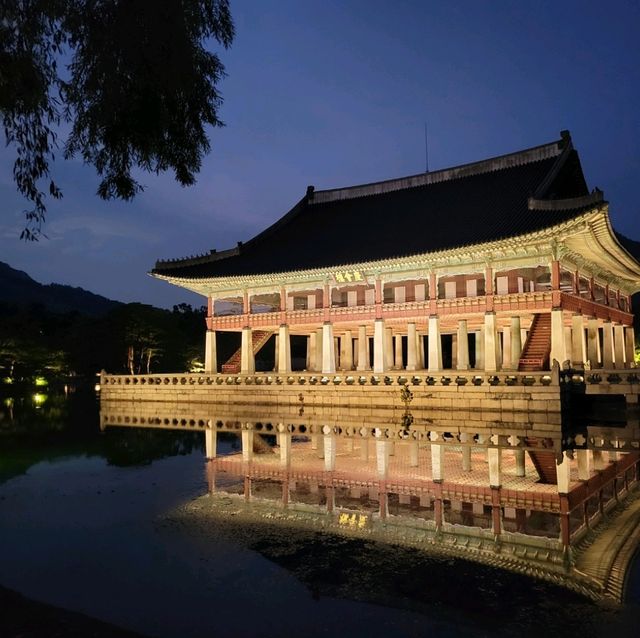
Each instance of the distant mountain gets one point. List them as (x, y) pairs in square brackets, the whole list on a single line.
[(17, 288)]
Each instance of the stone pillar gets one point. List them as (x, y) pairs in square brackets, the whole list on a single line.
[(520, 462), (516, 342), (336, 352), (210, 355), (466, 458), (382, 458), (363, 354), (414, 452), (454, 351), (284, 350), (364, 449), (388, 347), (379, 351), (420, 348), (346, 356), (506, 347), (618, 334), (630, 345), (210, 442), (479, 350), (592, 343), (412, 347), (247, 359), (578, 357), (312, 352), (328, 350), (399, 363), (558, 350), (435, 345), (490, 342), (285, 449), (329, 452), (563, 470), (494, 457), (463, 346), (437, 462), (584, 464), (607, 345), (247, 445), (319, 349)]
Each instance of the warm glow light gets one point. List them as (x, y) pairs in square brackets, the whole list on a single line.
[(41, 381), (39, 399), (96, 387), (8, 402), (7, 380)]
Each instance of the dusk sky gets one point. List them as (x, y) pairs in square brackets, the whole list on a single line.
[(336, 93)]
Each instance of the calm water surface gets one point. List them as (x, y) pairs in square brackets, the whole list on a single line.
[(82, 527)]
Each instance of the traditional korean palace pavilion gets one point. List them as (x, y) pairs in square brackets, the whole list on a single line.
[(508, 263)]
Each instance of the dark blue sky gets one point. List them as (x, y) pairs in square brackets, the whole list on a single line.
[(336, 93)]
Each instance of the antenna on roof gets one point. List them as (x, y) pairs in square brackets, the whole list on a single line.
[(426, 149)]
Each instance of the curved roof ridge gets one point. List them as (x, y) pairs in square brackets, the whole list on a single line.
[(500, 162), (571, 203)]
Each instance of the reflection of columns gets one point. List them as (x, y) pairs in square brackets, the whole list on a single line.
[(607, 345), (618, 334), (463, 346), (328, 350), (284, 349), (285, 449), (346, 356), (413, 453), (630, 345), (363, 355), (466, 458), (494, 457), (210, 442), (312, 352), (490, 342), (388, 347), (520, 462), (412, 347), (382, 457), (210, 358), (479, 349), (247, 359), (577, 341), (584, 464), (435, 346), (379, 351), (599, 462), (437, 462), (247, 445), (592, 343), (398, 352), (557, 337), (563, 470), (516, 343), (329, 452)]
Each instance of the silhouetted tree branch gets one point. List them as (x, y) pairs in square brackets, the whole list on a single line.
[(132, 78)]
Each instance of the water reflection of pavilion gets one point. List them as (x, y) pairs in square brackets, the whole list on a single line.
[(494, 495)]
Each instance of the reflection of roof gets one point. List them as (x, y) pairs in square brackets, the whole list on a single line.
[(485, 201)]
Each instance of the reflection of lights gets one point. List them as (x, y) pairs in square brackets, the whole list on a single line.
[(8, 402), (7, 380), (41, 381), (39, 399)]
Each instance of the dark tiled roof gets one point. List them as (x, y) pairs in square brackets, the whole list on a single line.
[(472, 204)]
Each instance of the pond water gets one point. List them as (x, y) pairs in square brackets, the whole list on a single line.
[(82, 527)]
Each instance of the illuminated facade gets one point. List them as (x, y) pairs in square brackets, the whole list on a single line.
[(504, 264)]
